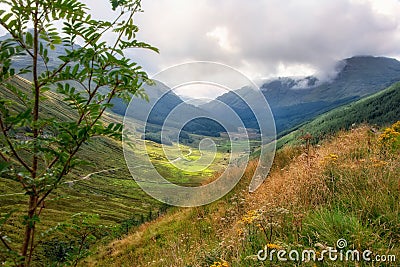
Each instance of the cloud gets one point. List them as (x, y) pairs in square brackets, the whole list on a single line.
[(265, 38), (222, 36)]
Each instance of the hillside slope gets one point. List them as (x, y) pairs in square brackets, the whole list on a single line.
[(345, 189), (380, 109), (104, 186), (104, 193)]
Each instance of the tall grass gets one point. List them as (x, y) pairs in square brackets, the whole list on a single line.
[(346, 188)]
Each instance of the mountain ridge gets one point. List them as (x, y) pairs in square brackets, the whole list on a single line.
[(161, 103), (359, 76), (292, 100)]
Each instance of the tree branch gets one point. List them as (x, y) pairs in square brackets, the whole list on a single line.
[(122, 32), (11, 146), (65, 167), (4, 157), (5, 242), (61, 67), (16, 38)]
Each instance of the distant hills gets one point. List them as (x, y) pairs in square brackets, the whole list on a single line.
[(168, 100), (294, 101), (163, 102)]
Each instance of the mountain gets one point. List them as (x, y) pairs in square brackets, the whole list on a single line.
[(164, 106), (167, 100), (294, 101), (195, 101)]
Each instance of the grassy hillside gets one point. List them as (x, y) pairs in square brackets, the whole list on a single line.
[(382, 108), (104, 187), (347, 188)]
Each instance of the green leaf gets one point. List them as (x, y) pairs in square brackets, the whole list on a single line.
[(117, 3), (6, 17), (4, 166), (29, 39), (75, 70)]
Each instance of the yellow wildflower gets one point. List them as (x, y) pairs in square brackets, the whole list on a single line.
[(331, 157), (391, 134), (240, 232), (220, 264), (250, 216), (390, 138), (396, 126), (379, 164), (273, 246)]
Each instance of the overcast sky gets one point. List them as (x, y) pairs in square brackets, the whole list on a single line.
[(268, 38), (264, 38)]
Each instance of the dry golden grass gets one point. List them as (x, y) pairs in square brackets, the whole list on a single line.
[(144, 236), (298, 182)]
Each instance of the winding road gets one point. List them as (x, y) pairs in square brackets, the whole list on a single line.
[(69, 182), (179, 158)]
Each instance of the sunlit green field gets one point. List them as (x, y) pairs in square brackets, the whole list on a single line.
[(104, 185)]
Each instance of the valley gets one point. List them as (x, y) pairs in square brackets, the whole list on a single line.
[(199, 134), (104, 185), (107, 188)]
